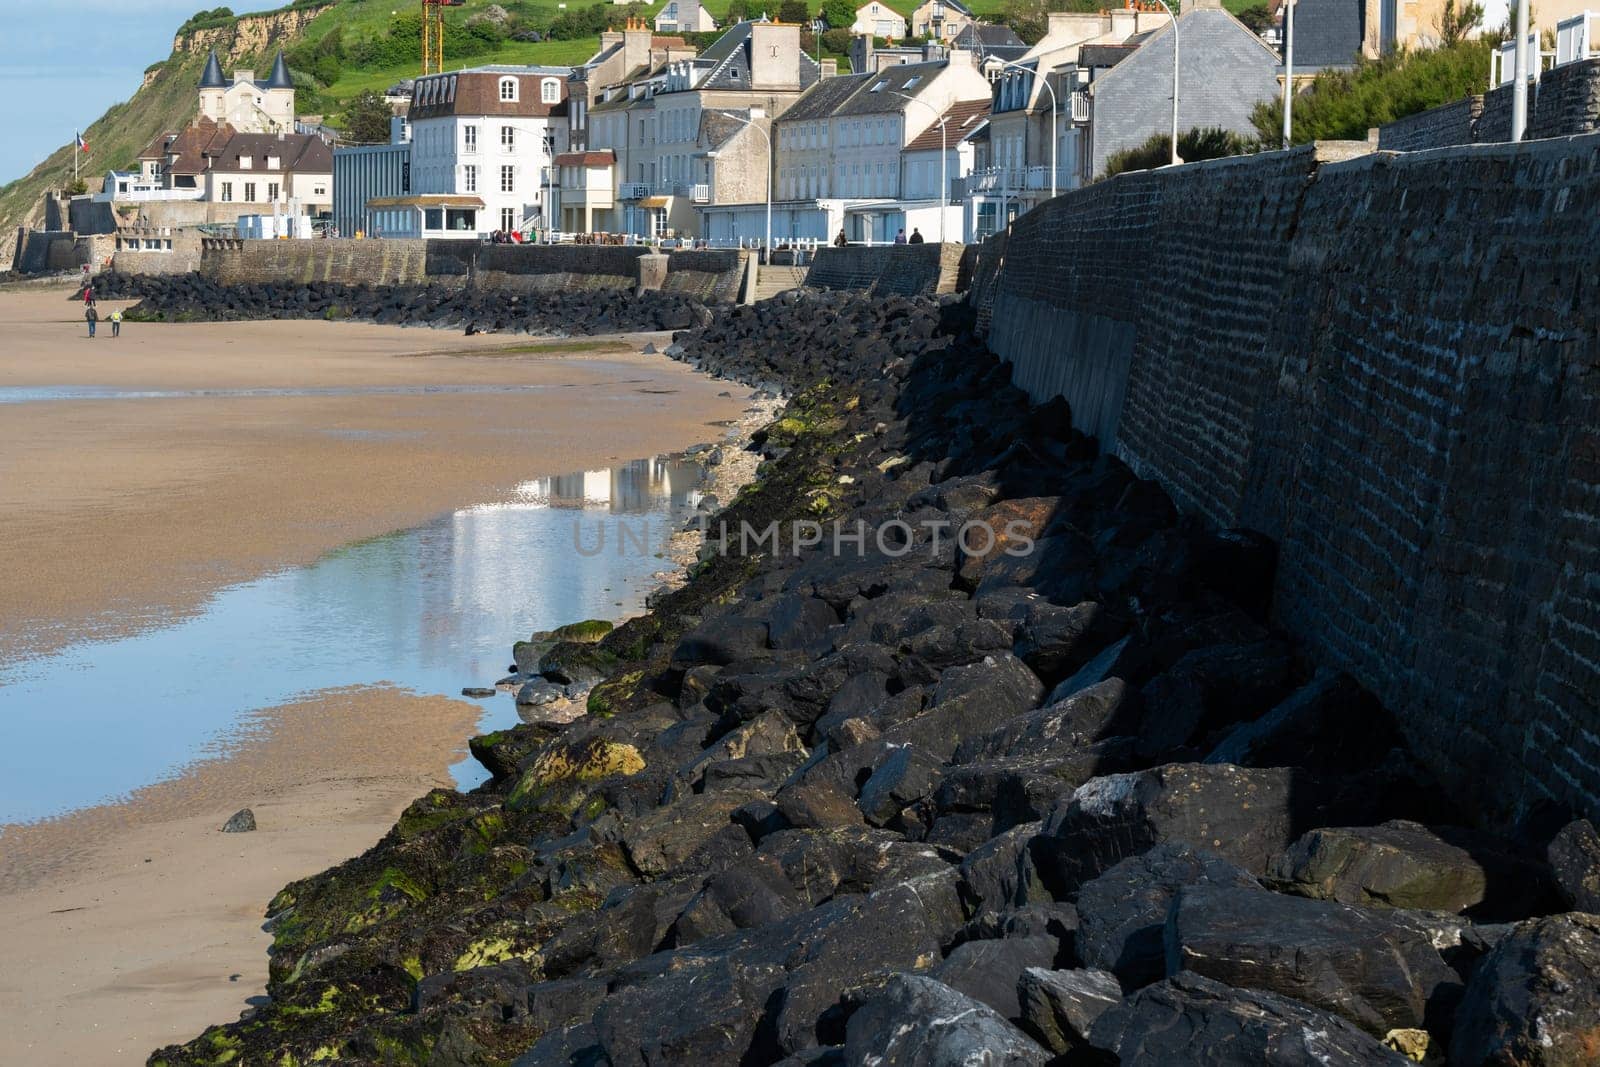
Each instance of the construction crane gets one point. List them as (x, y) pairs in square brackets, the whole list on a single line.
[(433, 34)]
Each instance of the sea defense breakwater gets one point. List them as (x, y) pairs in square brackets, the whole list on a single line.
[(961, 739)]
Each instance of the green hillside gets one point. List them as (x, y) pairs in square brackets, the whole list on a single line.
[(336, 50)]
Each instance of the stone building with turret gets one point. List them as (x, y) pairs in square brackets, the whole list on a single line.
[(248, 105)]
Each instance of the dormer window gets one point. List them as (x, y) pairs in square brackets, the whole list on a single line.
[(244, 162), (452, 91), (914, 79), (508, 90), (878, 87), (549, 91)]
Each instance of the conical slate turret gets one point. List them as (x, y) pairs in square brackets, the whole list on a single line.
[(212, 78), (280, 74)]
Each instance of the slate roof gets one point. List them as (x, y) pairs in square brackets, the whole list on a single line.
[(988, 35), (1100, 56), (294, 151), (962, 119), (1327, 33), (279, 78), (892, 96), (212, 77), (718, 126), (821, 99)]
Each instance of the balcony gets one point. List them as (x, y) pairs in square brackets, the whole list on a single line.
[(633, 191), (1012, 180), (1080, 107), (701, 194)]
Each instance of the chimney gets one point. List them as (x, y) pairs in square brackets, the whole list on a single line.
[(830, 68)]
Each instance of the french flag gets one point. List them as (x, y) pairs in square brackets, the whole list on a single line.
[(83, 146)]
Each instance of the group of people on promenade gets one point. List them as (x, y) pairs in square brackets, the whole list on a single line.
[(900, 238)]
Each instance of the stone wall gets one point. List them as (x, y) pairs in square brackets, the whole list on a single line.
[(903, 269), (1564, 103), (1388, 363), (132, 255), (518, 268), (39, 251)]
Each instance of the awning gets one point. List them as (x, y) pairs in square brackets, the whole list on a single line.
[(654, 201), (424, 200)]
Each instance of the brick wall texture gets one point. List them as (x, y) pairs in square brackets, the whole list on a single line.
[(1389, 364), (1564, 103)]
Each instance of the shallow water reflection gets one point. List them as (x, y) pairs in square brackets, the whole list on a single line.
[(430, 609)]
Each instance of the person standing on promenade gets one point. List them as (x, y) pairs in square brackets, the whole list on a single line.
[(916, 237), (116, 323), (91, 316)]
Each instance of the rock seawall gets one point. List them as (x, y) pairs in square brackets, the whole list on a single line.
[(961, 744)]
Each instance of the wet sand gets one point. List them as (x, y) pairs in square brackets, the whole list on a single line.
[(117, 513), (129, 926)]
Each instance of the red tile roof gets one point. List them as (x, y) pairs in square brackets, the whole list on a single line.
[(962, 118)]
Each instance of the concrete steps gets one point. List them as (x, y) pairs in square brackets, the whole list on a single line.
[(774, 279)]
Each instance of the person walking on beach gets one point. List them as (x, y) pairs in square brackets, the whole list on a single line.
[(91, 316), (116, 323)]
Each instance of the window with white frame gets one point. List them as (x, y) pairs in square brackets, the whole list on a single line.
[(508, 218), (469, 138), (272, 191), (508, 179), (508, 138), (250, 192), (227, 192), (549, 91), (469, 178), (508, 90)]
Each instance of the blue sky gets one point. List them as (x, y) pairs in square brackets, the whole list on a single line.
[(65, 63)]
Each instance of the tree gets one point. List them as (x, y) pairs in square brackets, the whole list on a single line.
[(1210, 142), (840, 14), (1456, 23), (1342, 105), (1256, 17), (366, 120), (793, 11), (738, 10)]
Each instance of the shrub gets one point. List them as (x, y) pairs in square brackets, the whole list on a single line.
[(1345, 104), (1201, 143)]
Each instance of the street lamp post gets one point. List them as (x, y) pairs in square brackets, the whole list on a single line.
[(1173, 15), (1519, 92), (760, 113), (1055, 118), (944, 159), (1288, 70)]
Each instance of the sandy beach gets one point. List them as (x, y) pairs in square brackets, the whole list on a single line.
[(132, 925)]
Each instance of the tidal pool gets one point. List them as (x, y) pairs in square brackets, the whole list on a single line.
[(431, 609)]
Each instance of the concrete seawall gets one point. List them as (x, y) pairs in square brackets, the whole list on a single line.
[(1389, 364), (710, 275), (904, 270)]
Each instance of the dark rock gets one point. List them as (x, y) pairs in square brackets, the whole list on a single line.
[(1188, 1019), (1574, 856), (668, 838), (823, 863), (539, 692), (989, 970), (820, 804), (1059, 1007), (918, 1021), (570, 1046), (1209, 688), (556, 1004), (1122, 914), (1330, 724), (1066, 726), (240, 822), (993, 876), (1397, 865), (1368, 966), (766, 771), (721, 641), (1246, 816), (801, 622), (1535, 998), (981, 697), (901, 779), (736, 899), (1055, 641), (703, 1014), (478, 691)]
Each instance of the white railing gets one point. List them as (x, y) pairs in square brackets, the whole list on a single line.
[(150, 194), (1576, 37), (1503, 62), (633, 191), (1080, 107), (1012, 179), (701, 194)]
